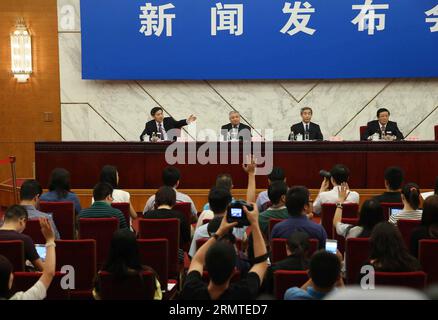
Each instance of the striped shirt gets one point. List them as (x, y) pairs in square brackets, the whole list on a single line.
[(101, 209), (406, 215)]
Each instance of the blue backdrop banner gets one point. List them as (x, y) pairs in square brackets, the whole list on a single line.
[(258, 39)]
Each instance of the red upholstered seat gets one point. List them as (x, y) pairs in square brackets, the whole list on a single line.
[(387, 205), (415, 280), (362, 130), (272, 223), (328, 212), (357, 252), (124, 207), (428, 256), (133, 287), (14, 251), (23, 281), (406, 227), (278, 248), (285, 279), (186, 209), (101, 230), (33, 230), (341, 239), (63, 216)]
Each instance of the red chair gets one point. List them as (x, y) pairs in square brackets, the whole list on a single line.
[(163, 229), (13, 250), (101, 230), (415, 280), (388, 205), (357, 252), (154, 253), (63, 216), (205, 221), (125, 208), (341, 239), (130, 288), (362, 131), (23, 281), (81, 255), (428, 256), (406, 227), (33, 230), (278, 248), (285, 279), (328, 212), (436, 132), (272, 223), (186, 209)]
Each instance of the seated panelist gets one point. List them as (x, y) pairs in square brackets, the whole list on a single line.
[(306, 126), (387, 130), (235, 129)]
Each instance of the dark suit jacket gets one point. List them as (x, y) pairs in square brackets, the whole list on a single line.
[(227, 127), (314, 130), (374, 126), (169, 123)]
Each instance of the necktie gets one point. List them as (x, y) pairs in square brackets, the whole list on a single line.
[(383, 128), (307, 127), (160, 128)]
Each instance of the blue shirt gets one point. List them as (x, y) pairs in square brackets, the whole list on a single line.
[(33, 213), (52, 196), (296, 293), (300, 223)]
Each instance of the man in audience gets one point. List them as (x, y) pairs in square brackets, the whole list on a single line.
[(241, 131), (297, 204), (305, 126), (101, 208), (14, 224), (339, 174), (171, 178), (277, 174), (219, 259), (162, 125), (393, 183), (219, 199), (324, 276), (386, 129), (30, 197), (277, 195)]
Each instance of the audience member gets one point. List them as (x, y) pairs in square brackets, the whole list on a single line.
[(277, 174), (411, 202), (393, 183), (277, 195), (429, 224)]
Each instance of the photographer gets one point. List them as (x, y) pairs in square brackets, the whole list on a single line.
[(338, 174)]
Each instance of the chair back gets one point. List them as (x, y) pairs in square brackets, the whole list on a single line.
[(63, 216), (328, 212), (13, 250)]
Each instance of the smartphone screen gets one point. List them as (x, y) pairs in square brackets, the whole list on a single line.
[(41, 250), (331, 246)]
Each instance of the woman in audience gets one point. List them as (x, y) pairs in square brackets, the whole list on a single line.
[(124, 260), (39, 290), (411, 202), (371, 213), (59, 189), (388, 251), (110, 175), (429, 224)]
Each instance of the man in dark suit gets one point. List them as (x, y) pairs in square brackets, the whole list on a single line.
[(383, 125), (243, 131), (307, 126), (162, 125)]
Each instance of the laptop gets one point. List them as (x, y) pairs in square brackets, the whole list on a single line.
[(394, 211)]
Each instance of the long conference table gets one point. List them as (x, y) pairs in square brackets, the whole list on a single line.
[(140, 163)]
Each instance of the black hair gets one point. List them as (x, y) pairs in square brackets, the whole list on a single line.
[(165, 195), (296, 199), (340, 173), (371, 213), (277, 174), (220, 262), (30, 189), (389, 251), (411, 191), (101, 191), (394, 177), (214, 225), (60, 182), (380, 110), (108, 174), (5, 273), (123, 254), (306, 108), (219, 199), (299, 245), (171, 176), (154, 110), (325, 269), (225, 181), (275, 190), (430, 211), (15, 212)]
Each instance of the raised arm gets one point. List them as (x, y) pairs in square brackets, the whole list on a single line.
[(250, 168), (343, 193), (50, 263)]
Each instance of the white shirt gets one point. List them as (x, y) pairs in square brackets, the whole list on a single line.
[(304, 126), (119, 196), (332, 197), (37, 292), (180, 197), (164, 130), (206, 214)]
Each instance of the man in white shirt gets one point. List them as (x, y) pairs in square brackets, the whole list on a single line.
[(339, 174), (171, 178)]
